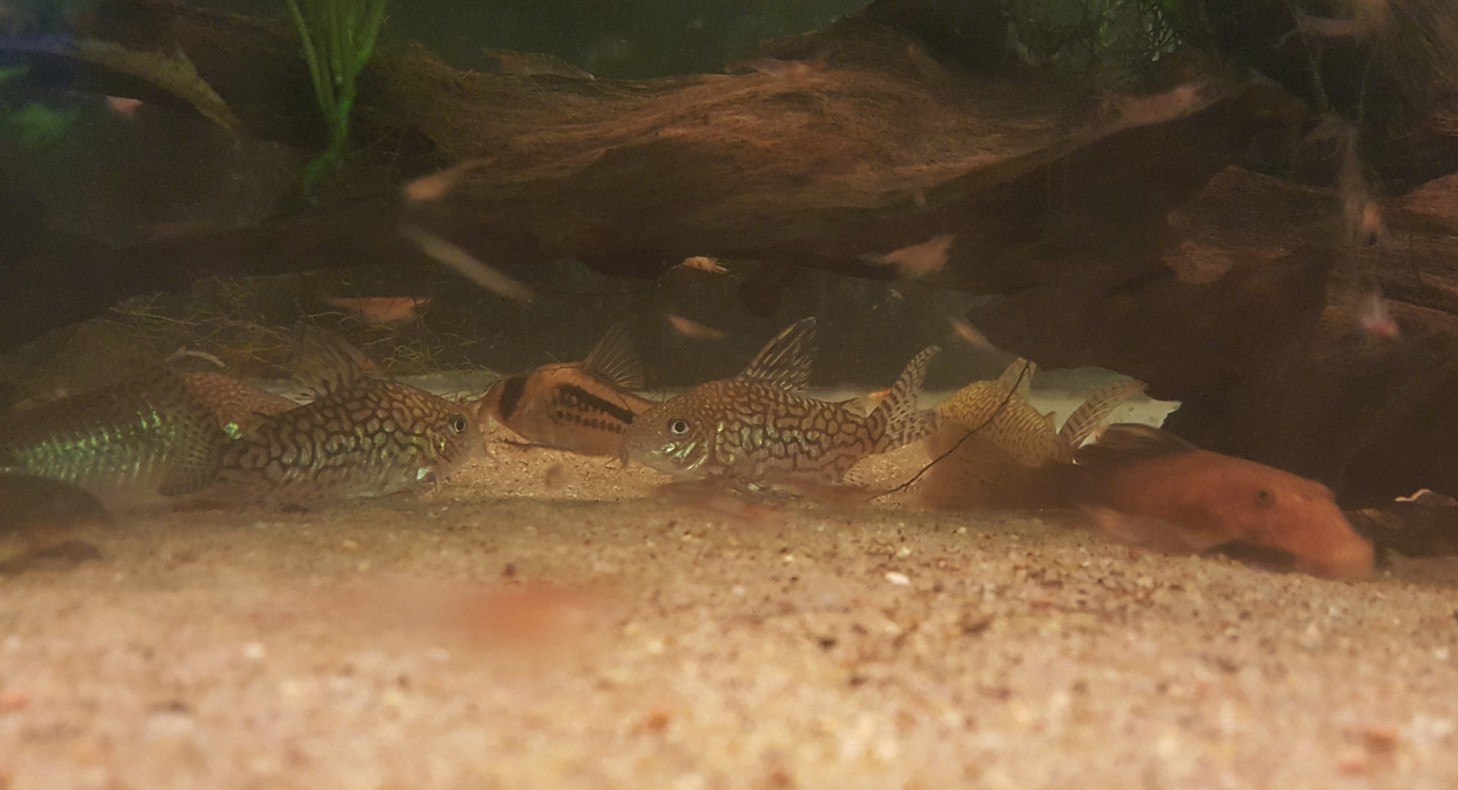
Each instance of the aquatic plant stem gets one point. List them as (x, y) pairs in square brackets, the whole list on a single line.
[(338, 38)]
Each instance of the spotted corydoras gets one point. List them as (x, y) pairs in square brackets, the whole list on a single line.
[(360, 437), (758, 427), (585, 407)]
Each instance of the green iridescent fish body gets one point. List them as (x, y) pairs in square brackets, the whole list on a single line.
[(143, 438)]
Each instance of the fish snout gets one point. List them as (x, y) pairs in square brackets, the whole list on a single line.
[(1346, 559)]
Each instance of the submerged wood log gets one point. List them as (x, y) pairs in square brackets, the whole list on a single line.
[(860, 145), (1256, 323)]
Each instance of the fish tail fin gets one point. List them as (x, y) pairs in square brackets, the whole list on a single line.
[(191, 432), (904, 422), (1100, 404)]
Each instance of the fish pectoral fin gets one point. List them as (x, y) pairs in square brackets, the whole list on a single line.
[(614, 360), (785, 360), (1100, 404)]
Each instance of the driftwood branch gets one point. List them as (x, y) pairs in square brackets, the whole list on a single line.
[(862, 144), (1256, 323)]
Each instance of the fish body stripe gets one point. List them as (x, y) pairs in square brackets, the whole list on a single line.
[(511, 394), (574, 396)]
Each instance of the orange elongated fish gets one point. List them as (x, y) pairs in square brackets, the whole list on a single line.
[(992, 445), (757, 427), (1149, 487), (584, 407)]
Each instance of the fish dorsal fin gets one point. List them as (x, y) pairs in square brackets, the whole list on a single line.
[(1100, 404), (1129, 441), (905, 422), (614, 360), (785, 360), (327, 362), (1018, 377)]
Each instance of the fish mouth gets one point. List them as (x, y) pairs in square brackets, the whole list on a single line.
[(673, 460), (1349, 560)]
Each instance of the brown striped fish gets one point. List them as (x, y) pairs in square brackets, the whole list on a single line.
[(360, 437), (584, 407), (991, 443), (757, 427)]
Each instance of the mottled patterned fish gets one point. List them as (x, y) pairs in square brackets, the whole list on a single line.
[(360, 437), (992, 442), (756, 427), (128, 443), (585, 407)]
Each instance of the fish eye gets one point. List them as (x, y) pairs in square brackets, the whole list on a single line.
[(457, 424), (1264, 497), (678, 426)]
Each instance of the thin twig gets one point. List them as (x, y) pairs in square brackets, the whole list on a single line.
[(1012, 391)]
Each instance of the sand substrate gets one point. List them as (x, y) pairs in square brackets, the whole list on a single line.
[(544, 620)]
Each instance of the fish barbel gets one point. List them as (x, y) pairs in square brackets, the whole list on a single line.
[(756, 427), (361, 437), (991, 441), (585, 407), (127, 444)]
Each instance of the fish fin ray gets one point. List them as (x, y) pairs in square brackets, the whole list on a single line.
[(1019, 377), (327, 362), (614, 360), (785, 360), (905, 423), (1084, 420)]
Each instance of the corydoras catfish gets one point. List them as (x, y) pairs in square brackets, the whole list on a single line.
[(759, 427), (361, 436), (585, 407)]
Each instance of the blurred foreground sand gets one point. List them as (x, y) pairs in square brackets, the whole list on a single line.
[(544, 621)]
